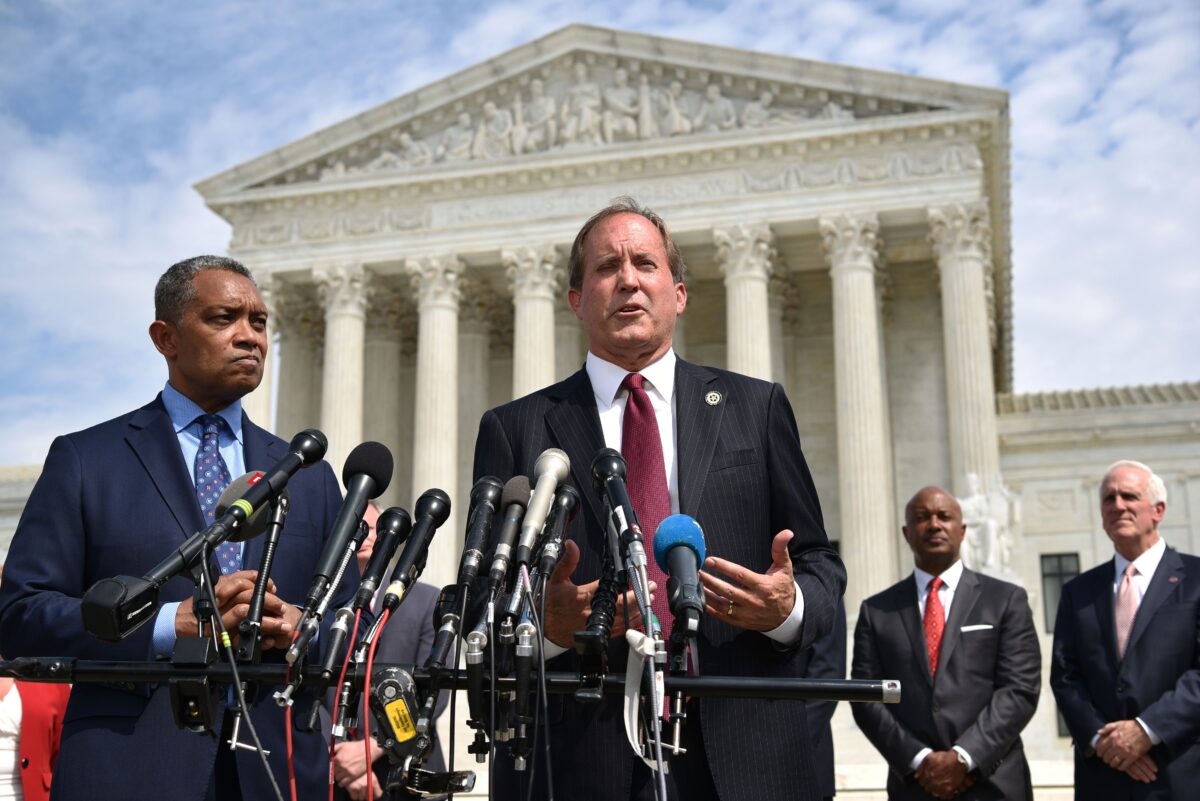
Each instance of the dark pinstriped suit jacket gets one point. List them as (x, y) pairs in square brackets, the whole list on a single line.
[(743, 477)]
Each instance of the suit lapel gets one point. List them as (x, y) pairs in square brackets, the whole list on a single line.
[(697, 423), (1161, 587), (574, 426), (910, 621), (1104, 614), (965, 597), (152, 438), (261, 451)]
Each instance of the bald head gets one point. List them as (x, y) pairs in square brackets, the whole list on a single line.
[(933, 528)]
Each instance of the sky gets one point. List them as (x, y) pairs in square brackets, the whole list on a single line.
[(110, 112)]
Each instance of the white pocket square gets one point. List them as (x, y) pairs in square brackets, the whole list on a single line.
[(978, 627)]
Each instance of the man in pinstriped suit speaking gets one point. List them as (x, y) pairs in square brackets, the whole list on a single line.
[(725, 450)]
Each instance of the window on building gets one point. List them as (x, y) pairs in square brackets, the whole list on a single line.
[(1057, 570)]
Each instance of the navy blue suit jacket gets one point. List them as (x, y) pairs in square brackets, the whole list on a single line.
[(115, 499), (743, 477), (1158, 680)]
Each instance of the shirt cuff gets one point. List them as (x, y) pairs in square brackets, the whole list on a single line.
[(1154, 738), (966, 756), (163, 641), (1092, 744), (787, 632), (552, 649), (920, 757)]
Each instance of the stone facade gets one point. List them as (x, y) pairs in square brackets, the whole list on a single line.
[(846, 233)]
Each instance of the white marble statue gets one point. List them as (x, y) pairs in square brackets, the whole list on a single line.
[(414, 152), (581, 111), (676, 119), (716, 112), (991, 517), (493, 140), (535, 127), (457, 140), (621, 106)]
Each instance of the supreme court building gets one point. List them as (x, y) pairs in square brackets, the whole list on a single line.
[(847, 234)]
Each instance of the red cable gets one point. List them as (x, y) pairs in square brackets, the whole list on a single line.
[(337, 695), (287, 731), (383, 619)]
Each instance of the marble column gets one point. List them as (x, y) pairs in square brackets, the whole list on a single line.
[(381, 383), (868, 532), (474, 349), (532, 273), (961, 237), (343, 290), (569, 346), (258, 404), (745, 255), (299, 323), (435, 281), (777, 286)]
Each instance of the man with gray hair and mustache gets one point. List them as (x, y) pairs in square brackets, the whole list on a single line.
[(1126, 664)]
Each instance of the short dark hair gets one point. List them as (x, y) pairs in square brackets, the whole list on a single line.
[(623, 205), (176, 287)]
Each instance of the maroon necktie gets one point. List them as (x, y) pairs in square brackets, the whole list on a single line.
[(935, 624), (646, 479)]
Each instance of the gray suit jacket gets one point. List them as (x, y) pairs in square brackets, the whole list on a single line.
[(986, 690)]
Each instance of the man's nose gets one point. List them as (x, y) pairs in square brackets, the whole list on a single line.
[(627, 275)]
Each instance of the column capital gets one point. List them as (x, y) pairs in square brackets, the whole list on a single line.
[(851, 241), (435, 279), (295, 311), (476, 303), (745, 250), (533, 271), (961, 229), (390, 310), (343, 288)]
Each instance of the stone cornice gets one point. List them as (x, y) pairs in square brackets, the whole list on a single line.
[(1103, 398)]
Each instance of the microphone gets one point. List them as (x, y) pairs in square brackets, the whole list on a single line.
[(608, 474), (367, 473), (565, 503), (679, 551), (432, 509), (484, 495), (249, 641), (116, 607), (514, 500), (255, 524), (390, 530), (550, 470)]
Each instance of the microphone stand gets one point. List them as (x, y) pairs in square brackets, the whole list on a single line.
[(250, 629), (592, 644)]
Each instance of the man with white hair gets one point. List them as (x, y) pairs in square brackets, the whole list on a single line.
[(1126, 664)]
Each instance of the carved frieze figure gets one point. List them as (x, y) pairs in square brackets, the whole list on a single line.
[(457, 140), (832, 111), (535, 127), (493, 140), (716, 112), (581, 111), (759, 113), (620, 109), (414, 152), (676, 119)]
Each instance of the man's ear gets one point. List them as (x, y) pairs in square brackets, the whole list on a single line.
[(162, 334), (574, 298)]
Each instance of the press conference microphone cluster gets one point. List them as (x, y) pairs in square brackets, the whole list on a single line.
[(114, 608), (367, 473)]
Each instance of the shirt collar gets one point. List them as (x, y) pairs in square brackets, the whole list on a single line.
[(1147, 563), (606, 377), (950, 577), (183, 411)]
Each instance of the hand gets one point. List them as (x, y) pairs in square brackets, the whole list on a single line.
[(357, 789), (755, 601), (1143, 769), (1122, 743), (568, 605), (233, 596), (350, 760), (942, 775)]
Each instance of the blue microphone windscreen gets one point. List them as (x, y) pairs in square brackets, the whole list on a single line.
[(678, 530)]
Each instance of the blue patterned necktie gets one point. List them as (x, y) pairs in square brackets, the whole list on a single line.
[(212, 477)]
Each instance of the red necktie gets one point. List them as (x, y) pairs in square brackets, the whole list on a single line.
[(935, 624), (646, 479)]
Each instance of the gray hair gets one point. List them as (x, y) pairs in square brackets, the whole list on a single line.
[(176, 287), (1156, 490), (623, 205)]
